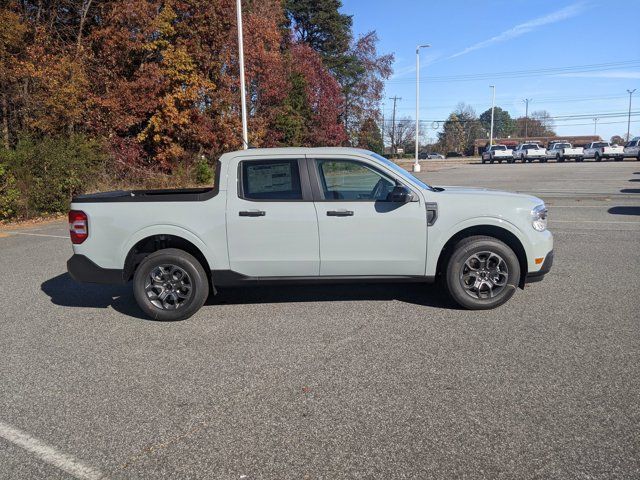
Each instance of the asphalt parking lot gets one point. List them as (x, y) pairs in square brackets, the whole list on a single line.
[(382, 381)]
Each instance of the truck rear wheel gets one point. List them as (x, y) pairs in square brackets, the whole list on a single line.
[(597, 157), (170, 284), (482, 273)]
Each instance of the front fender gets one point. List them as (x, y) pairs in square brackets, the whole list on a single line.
[(438, 239)]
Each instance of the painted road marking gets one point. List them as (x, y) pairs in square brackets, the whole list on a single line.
[(49, 454), (34, 234), (591, 221)]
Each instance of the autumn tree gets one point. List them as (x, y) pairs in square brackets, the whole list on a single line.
[(539, 124), (471, 126), (370, 136), (452, 138)]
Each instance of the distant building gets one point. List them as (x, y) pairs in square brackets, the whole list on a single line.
[(480, 144)]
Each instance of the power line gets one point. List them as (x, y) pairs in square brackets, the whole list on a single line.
[(481, 103), (559, 118), (595, 67)]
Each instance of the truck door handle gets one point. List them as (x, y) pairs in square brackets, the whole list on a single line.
[(252, 213), (339, 213)]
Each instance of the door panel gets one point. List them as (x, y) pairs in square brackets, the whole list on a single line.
[(272, 226), (360, 232)]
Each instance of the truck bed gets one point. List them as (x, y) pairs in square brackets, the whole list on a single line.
[(163, 195)]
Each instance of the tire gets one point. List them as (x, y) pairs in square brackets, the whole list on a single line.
[(179, 276), (483, 161), (597, 158), (638, 158), (500, 161), (498, 258), (522, 158), (491, 161), (618, 159), (559, 159)]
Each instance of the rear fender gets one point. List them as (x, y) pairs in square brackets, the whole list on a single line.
[(167, 230)]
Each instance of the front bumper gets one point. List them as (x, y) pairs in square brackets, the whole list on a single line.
[(82, 269), (539, 275)]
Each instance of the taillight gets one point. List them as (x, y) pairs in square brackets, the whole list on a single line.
[(78, 226)]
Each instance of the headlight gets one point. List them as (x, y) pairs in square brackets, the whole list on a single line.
[(539, 217)]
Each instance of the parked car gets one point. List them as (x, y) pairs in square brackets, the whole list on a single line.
[(529, 152), (603, 150), (563, 150), (293, 215), (454, 154), (430, 156), (497, 153), (632, 148)]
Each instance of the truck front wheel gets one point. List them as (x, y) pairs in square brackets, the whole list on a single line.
[(482, 273), (170, 284)]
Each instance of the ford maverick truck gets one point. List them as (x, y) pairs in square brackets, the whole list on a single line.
[(308, 215)]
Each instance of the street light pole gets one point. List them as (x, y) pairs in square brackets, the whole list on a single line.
[(243, 99), (526, 118), (595, 126), (416, 165), (493, 106), (630, 92)]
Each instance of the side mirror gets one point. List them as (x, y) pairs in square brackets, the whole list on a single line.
[(400, 194)]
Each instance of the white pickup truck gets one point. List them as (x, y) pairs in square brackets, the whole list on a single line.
[(308, 215), (561, 151), (528, 152), (603, 150), (497, 153), (632, 148)]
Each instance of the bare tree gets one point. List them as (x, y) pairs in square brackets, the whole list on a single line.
[(405, 134)]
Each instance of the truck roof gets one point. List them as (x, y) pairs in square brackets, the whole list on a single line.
[(297, 151)]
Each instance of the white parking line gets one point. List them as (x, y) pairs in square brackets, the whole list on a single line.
[(591, 221), (48, 454), (36, 234)]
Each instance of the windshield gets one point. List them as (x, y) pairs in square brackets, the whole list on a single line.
[(531, 146), (562, 145), (498, 147), (399, 170), (600, 144)]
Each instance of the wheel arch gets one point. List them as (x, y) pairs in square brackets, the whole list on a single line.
[(502, 234), (159, 241)]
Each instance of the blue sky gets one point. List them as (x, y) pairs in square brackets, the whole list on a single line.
[(477, 37)]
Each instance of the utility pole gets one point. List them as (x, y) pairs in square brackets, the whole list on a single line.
[(393, 124), (630, 92), (493, 106), (595, 126), (526, 118), (416, 165), (383, 128), (243, 99)]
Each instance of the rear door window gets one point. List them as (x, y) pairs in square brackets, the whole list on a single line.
[(271, 180)]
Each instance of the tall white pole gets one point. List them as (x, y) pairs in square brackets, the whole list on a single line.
[(416, 164), (243, 99), (493, 106), (630, 92), (595, 126)]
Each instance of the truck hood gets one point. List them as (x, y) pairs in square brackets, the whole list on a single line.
[(481, 194)]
